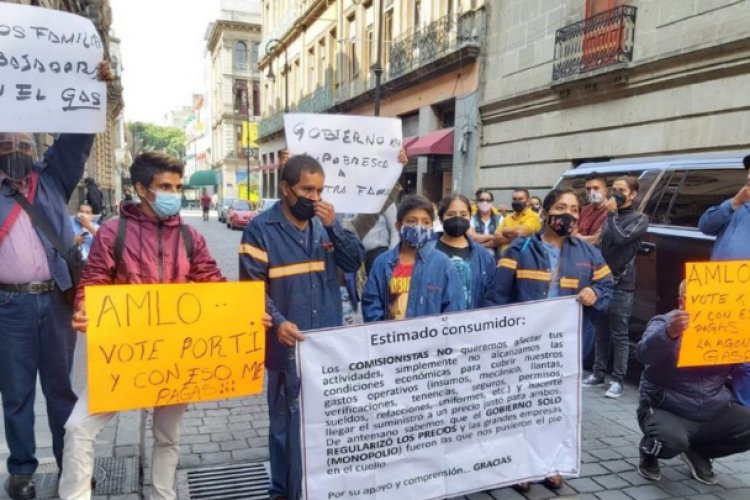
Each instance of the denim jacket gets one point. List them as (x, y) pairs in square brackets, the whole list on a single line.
[(53, 183), (435, 287)]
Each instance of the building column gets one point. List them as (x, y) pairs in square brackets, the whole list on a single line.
[(465, 144)]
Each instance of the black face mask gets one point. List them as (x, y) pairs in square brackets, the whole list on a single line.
[(456, 226), (16, 165), (562, 224), (304, 209), (518, 206), (620, 198)]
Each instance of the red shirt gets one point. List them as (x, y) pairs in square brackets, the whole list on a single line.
[(398, 290), (592, 218)]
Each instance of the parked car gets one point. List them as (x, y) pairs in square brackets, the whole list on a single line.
[(240, 212), (674, 192), (221, 209), (266, 203)]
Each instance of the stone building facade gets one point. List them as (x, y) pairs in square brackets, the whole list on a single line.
[(232, 45), (576, 80), (321, 54)]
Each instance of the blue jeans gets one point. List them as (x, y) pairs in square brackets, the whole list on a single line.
[(613, 337), (284, 444), (588, 338), (35, 336)]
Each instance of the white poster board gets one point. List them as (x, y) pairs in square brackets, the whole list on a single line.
[(441, 406), (48, 62), (359, 155)]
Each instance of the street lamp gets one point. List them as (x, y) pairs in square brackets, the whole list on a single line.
[(271, 46), (241, 90), (377, 68)]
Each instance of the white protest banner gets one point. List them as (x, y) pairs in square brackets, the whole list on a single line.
[(48, 65), (441, 406), (359, 155)]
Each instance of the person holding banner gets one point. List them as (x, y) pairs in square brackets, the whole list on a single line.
[(413, 279), (685, 411), (296, 247), (730, 223), (34, 276), (147, 244), (473, 264), (551, 264)]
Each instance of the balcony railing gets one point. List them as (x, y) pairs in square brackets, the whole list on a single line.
[(419, 47), (596, 42)]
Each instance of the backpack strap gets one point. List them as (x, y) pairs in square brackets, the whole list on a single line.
[(187, 239), (122, 226)]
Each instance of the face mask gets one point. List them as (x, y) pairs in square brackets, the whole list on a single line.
[(415, 236), (518, 206), (166, 204), (484, 206), (595, 197), (620, 198), (16, 165), (562, 224), (456, 226), (535, 208), (304, 209)]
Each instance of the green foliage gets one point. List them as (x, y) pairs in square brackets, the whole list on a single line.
[(150, 137)]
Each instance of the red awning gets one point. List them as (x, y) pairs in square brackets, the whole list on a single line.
[(408, 141), (439, 142)]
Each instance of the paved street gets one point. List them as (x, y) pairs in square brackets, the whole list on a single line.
[(235, 431)]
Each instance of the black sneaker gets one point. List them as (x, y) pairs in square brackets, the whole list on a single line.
[(648, 467), (20, 487), (700, 467)]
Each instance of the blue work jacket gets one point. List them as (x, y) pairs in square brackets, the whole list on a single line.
[(301, 287), (435, 286), (523, 273), (483, 266), (54, 180)]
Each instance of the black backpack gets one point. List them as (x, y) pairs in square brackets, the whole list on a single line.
[(122, 226)]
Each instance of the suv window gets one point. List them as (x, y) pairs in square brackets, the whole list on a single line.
[(659, 203), (702, 189)]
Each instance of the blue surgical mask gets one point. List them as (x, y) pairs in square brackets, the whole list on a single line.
[(166, 204), (415, 236)]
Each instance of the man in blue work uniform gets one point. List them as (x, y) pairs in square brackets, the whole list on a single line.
[(295, 247), (36, 335)]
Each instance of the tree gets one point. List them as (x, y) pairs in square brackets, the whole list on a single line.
[(149, 137)]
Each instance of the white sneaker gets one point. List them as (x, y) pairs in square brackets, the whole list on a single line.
[(615, 390)]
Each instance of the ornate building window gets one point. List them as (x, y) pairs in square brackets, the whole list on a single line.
[(239, 58)]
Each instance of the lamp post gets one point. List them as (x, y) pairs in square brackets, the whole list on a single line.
[(270, 47), (377, 68), (243, 92)]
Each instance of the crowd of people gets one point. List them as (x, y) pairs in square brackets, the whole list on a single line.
[(304, 252)]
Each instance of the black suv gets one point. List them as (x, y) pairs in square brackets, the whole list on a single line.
[(674, 192)]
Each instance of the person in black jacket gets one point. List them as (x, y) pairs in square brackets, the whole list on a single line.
[(621, 235), (93, 197)]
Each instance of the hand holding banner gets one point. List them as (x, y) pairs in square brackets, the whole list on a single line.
[(156, 345), (358, 153), (48, 77)]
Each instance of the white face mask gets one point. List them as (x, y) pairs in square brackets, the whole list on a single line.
[(595, 197)]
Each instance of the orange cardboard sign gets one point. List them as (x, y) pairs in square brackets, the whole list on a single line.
[(718, 300), (157, 345)]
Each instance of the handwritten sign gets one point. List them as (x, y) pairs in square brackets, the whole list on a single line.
[(48, 65), (718, 301), (359, 155), (156, 345)]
